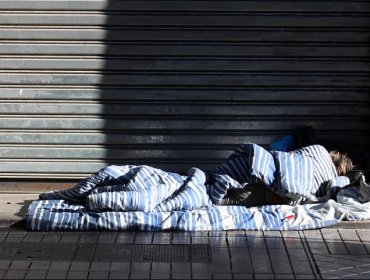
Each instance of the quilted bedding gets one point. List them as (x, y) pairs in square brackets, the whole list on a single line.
[(145, 198)]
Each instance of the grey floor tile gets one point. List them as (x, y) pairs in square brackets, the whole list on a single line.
[(242, 267), (222, 276), (52, 237), (89, 237), (280, 261), (160, 275), (264, 276), (237, 241), (3, 236), (107, 237), (77, 275), (162, 237), (80, 266), (242, 275), (364, 234), (36, 274), (237, 254), (261, 261), (256, 243), (33, 237), (201, 275), (100, 266), (199, 233), (20, 265), (40, 265), (59, 265), (15, 274), (328, 276), (181, 268), (199, 240), (140, 267), (235, 233), (302, 267), (98, 275), (181, 239), (70, 237), (4, 230), (220, 254), (333, 241), (56, 274), (313, 235), (125, 237), (144, 238), (119, 275), (201, 267), (273, 239), (352, 242), (161, 267), (305, 276), (358, 276), (284, 276), (14, 238), (4, 264), (179, 275), (217, 233), (221, 267), (292, 240), (218, 241), (139, 275), (120, 267)]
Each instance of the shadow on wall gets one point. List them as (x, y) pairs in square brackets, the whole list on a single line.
[(154, 112), (181, 85)]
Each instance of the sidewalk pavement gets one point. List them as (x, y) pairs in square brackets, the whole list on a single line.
[(342, 251)]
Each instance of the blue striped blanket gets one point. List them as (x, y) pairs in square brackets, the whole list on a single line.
[(140, 197)]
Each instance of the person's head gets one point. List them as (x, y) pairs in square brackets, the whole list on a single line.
[(342, 162)]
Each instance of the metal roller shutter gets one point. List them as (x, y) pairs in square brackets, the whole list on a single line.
[(174, 84)]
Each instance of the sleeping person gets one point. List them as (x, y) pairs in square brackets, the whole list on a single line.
[(251, 176)]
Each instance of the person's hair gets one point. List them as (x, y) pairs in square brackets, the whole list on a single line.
[(342, 162)]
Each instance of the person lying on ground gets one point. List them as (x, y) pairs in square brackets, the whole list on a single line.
[(251, 176)]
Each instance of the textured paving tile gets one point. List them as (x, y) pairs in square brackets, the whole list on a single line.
[(52, 237), (353, 242), (15, 274), (59, 265), (120, 266), (159, 267), (261, 261), (280, 261), (160, 275), (162, 238), (118, 275), (181, 268), (311, 254), (89, 237), (35, 237), (36, 274), (222, 276), (125, 237), (177, 275), (334, 241), (56, 274), (70, 237)]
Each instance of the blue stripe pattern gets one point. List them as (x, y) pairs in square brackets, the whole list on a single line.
[(146, 198)]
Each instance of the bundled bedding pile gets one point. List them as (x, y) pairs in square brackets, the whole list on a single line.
[(140, 197)]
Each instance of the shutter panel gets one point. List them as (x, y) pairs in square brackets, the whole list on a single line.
[(174, 84)]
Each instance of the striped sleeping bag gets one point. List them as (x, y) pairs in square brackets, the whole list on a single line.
[(140, 197)]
